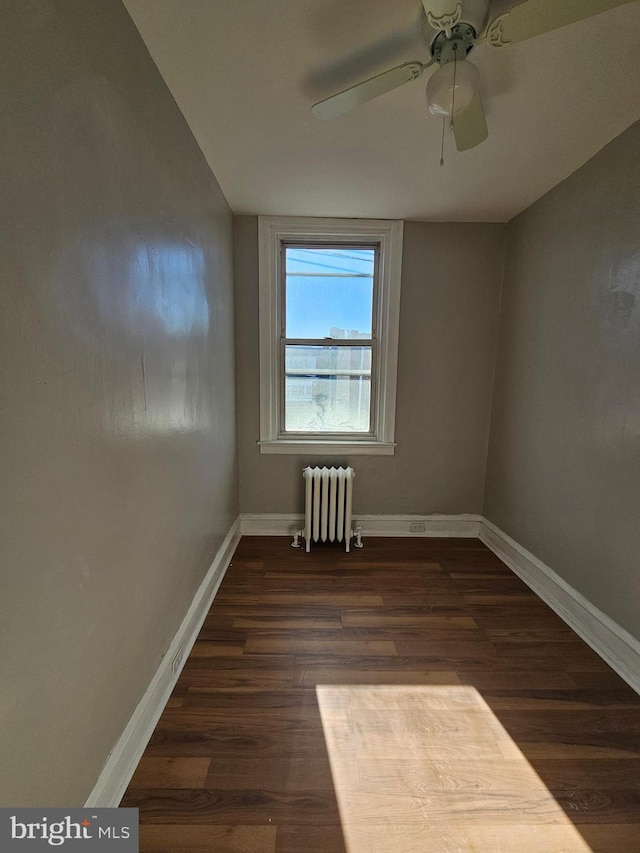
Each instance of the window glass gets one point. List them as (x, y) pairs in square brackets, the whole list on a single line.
[(329, 292), (327, 389)]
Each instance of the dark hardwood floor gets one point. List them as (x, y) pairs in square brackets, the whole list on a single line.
[(411, 697)]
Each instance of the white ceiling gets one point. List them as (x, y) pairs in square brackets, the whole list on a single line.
[(245, 73)]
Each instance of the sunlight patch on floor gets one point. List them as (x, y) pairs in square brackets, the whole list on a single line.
[(430, 769)]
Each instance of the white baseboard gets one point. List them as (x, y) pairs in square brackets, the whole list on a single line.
[(450, 526), (614, 645), (124, 758), (283, 524)]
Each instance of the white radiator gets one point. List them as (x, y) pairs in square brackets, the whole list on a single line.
[(327, 507)]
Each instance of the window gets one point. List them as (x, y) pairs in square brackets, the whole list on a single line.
[(329, 308)]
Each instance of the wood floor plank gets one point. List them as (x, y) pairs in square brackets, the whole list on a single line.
[(597, 680), (435, 662), (570, 653), (542, 678), (426, 647), (417, 598), (515, 617), (411, 697), (502, 598), (559, 700), (167, 838), (312, 676), (412, 776), (323, 838), (559, 748), (290, 772), (409, 572), (170, 772), (233, 741), (230, 807), (338, 599), (279, 611), (624, 723), (296, 645), (257, 700), (525, 618), (418, 617), (483, 838), (425, 633), (536, 808), (531, 635), (288, 623), (210, 649)]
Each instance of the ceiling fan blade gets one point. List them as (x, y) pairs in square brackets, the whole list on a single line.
[(470, 126), (534, 17), (344, 101), (443, 14)]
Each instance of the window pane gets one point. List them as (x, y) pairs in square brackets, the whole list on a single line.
[(335, 261), (329, 292), (327, 389)]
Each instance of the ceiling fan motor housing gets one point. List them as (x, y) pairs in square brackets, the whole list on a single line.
[(458, 45)]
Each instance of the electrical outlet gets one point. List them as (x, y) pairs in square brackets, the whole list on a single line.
[(177, 660), (416, 527)]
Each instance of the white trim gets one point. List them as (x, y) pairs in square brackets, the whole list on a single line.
[(333, 448), (388, 234), (128, 749), (464, 525), (285, 524), (614, 645)]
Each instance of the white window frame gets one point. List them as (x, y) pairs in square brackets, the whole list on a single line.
[(273, 232)]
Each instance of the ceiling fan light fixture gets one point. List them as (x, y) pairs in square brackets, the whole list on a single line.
[(440, 88)]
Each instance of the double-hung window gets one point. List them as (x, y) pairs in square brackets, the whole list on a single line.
[(329, 310)]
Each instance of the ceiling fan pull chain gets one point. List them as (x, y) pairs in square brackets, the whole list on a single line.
[(453, 93), (444, 124)]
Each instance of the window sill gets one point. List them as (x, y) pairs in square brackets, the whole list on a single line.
[(329, 448)]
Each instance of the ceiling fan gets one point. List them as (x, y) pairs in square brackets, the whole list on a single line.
[(451, 30)]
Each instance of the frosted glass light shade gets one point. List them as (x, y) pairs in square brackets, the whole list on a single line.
[(440, 88)]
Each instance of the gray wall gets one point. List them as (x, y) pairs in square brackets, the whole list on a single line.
[(119, 475), (563, 473), (448, 332)]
